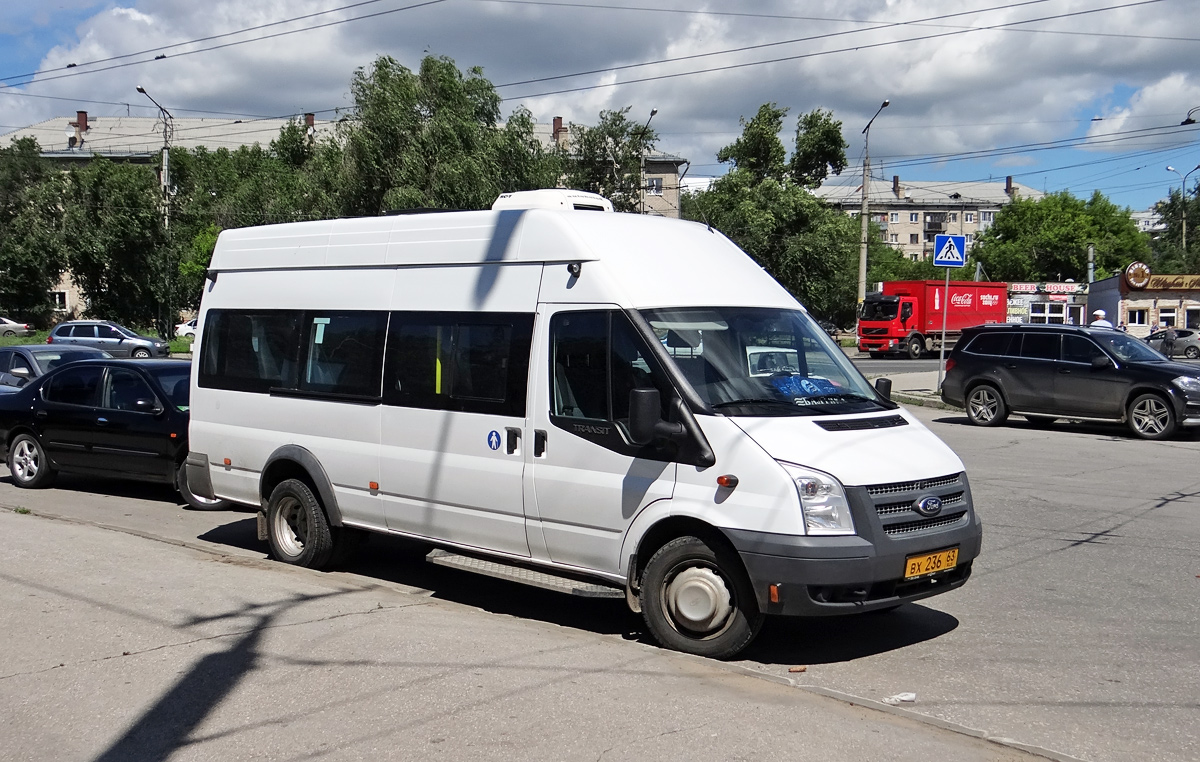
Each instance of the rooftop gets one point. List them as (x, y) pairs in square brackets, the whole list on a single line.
[(883, 192)]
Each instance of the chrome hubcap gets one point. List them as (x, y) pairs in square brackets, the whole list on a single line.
[(983, 406), (25, 461), (698, 600), (1151, 416), (291, 526)]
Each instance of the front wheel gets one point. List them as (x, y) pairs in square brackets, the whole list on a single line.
[(1191, 353), (297, 529), (1150, 417), (916, 348), (28, 463), (696, 598), (141, 354), (985, 406)]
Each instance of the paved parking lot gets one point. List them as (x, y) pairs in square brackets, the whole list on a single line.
[(1076, 634)]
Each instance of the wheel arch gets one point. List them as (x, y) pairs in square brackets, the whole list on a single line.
[(974, 383), (295, 462), (1140, 389), (663, 529)]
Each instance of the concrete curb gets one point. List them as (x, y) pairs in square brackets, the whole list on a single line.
[(916, 399)]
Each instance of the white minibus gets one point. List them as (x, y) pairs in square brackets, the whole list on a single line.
[(562, 394)]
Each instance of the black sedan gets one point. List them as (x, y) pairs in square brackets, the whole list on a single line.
[(108, 418), (21, 364)]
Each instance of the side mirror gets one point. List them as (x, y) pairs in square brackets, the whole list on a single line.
[(1101, 362), (884, 387), (645, 418), (22, 373), (147, 405)]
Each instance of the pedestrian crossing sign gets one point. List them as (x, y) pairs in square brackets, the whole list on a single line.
[(949, 250)]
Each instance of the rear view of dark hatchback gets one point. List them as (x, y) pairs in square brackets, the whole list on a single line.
[(1046, 372)]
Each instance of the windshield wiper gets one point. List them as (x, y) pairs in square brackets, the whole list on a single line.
[(753, 401)]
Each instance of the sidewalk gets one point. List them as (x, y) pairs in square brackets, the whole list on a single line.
[(917, 389)]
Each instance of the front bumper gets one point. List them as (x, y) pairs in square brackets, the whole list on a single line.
[(823, 576)]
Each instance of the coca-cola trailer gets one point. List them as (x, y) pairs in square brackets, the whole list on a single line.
[(906, 317)]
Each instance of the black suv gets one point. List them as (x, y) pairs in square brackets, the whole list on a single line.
[(1044, 372)]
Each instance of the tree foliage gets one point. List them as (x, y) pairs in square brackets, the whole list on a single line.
[(1168, 253), (607, 158), (32, 243), (1048, 238)]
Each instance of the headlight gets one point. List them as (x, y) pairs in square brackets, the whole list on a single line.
[(1187, 383), (823, 501)]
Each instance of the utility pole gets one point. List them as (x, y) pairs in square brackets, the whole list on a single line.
[(642, 166), (1183, 194), (165, 184), (862, 252)]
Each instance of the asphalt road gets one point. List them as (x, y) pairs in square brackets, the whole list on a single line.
[(1077, 634)]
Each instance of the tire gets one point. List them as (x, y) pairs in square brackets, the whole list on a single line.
[(1151, 417), (297, 530), (915, 348), (1191, 353), (28, 464), (1040, 420), (10, 333), (140, 353), (710, 581), (985, 406), (195, 501)]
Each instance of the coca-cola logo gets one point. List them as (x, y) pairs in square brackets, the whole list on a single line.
[(960, 300), (989, 300)]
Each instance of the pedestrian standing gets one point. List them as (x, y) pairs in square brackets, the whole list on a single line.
[(1168, 342), (1122, 327), (1099, 320)]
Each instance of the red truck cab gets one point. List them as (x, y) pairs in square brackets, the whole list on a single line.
[(906, 317)]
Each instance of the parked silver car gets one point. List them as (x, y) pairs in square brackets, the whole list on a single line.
[(10, 327), (115, 339), (1187, 342)]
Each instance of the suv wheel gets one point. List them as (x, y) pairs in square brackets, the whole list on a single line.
[(985, 406), (1150, 417)]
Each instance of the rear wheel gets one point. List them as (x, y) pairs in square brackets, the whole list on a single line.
[(10, 333), (696, 598), (141, 353), (1150, 417), (28, 463), (985, 406), (1191, 353)]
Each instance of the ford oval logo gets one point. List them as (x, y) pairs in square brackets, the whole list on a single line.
[(928, 506)]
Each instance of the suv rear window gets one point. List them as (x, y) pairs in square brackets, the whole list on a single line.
[(991, 344), (1043, 346)]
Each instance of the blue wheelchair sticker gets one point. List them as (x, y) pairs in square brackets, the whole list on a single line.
[(494, 440), (802, 386)]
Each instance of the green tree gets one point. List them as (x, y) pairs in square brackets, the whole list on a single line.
[(32, 243), (607, 158), (1047, 239), (1168, 254), (758, 151), (820, 149)]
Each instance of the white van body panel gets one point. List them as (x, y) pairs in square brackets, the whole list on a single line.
[(856, 458)]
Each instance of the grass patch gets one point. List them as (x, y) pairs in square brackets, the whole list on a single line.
[(21, 509), (39, 337)]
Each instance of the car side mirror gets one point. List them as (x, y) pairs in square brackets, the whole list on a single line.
[(884, 387), (1101, 362), (21, 373), (645, 419), (148, 405)]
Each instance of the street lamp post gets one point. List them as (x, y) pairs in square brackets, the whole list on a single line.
[(1190, 118), (165, 183), (642, 164), (862, 252), (1183, 200)]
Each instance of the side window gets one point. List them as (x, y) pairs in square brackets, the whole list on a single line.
[(74, 386), (1041, 346), (344, 353), (990, 344), (251, 351), (474, 363), (108, 332), (6, 361), (83, 332), (18, 361), (1079, 349), (597, 359), (123, 388)]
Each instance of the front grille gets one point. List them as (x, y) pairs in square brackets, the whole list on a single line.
[(858, 424), (908, 527), (876, 490), (873, 331), (889, 509)]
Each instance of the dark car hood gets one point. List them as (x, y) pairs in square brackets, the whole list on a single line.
[(1174, 368)]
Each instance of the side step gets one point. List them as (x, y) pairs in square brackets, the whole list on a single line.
[(523, 575)]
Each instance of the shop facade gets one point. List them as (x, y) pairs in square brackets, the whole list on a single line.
[(1043, 302), (1145, 302)]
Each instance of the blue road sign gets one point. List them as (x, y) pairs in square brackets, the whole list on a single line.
[(949, 250)]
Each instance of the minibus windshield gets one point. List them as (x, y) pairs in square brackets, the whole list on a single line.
[(762, 361)]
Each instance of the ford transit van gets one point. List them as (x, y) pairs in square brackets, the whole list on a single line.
[(612, 404)]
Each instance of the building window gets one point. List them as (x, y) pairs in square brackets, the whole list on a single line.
[(969, 238), (60, 300), (1138, 317), (895, 238), (951, 216), (893, 216), (968, 216), (654, 186), (914, 217), (1166, 317), (914, 238), (987, 216)]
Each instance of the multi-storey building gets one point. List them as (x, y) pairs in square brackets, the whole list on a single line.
[(909, 215)]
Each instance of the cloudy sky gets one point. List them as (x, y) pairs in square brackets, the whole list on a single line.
[(1061, 94)]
